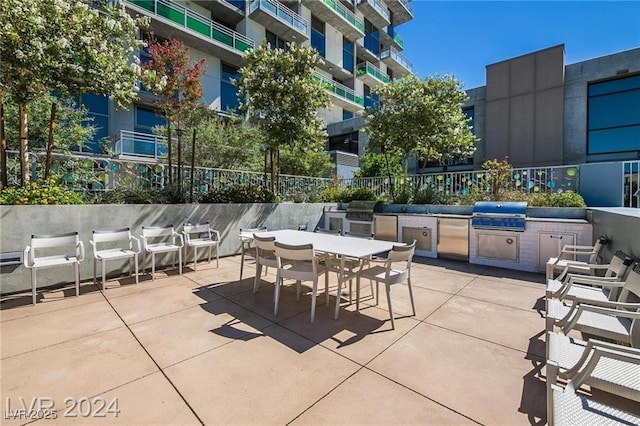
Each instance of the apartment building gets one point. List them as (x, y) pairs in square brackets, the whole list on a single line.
[(357, 40)]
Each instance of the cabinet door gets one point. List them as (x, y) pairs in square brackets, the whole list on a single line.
[(550, 244)]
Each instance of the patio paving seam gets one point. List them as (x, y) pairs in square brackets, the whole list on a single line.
[(46, 312), (154, 361)]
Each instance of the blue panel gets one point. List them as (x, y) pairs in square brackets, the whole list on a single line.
[(146, 119), (614, 86), (347, 115), (96, 104), (620, 139), (229, 97), (620, 109), (372, 43), (317, 41)]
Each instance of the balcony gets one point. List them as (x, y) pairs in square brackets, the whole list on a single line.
[(341, 95), (139, 145), (200, 32), (370, 75), (391, 38), (336, 15), (402, 11), (229, 11), (375, 11), (396, 61), (279, 19)]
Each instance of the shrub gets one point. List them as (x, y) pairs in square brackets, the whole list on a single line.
[(41, 193), (240, 194), (132, 195), (554, 199), (429, 194)]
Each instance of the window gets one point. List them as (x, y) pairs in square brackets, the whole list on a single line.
[(344, 143), (147, 118), (468, 112), (347, 54), (274, 41), (390, 74), (370, 100), (317, 35), (347, 115), (371, 37), (614, 116), (98, 110), (228, 92)]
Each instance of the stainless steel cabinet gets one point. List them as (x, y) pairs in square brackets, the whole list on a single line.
[(550, 244), (385, 227), (422, 235), (499, 246), (453, 238)]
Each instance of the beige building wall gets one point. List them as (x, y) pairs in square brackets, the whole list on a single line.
[(524, 108)]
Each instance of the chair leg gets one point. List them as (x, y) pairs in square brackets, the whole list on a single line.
[(413, 306), (131, 266), (135, 261), (33, 286), (256, 280), (388, 288), (314, 294), (338, 297), (77, 271), (217, 257), (326, 289), (241, 259), (94, 270), (180, 261), (153, 266), (104, 275), (276, 296), (210, 248), (195, 258), (357, 294), (298, 286)]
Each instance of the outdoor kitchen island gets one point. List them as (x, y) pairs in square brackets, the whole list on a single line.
[(525, 248)]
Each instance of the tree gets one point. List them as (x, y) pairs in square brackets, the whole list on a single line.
[(171, 74), (373, 164), (420, 117), (68, 47), (304, 161), (278, 88)]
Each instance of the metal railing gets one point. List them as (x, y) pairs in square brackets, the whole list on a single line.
[(393, 53), (531, 180), (340, 90), (372, 70), (136, 144), (631, 182), (346, 14), (193, 22), (281, 12), (407, 5), (379, 7)]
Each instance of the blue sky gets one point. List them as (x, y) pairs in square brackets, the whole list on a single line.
[(462, 37)]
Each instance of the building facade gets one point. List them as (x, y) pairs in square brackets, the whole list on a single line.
[(357, 39)]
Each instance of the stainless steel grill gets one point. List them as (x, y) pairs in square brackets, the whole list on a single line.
[(362, 211), (498, 215)]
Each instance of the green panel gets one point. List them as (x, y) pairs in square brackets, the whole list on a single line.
[(145, 4), (174, 15), (359, 101), (242, 46), (222, 37), (398, 40), (198, 26)]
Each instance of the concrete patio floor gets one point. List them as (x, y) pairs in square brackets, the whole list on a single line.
[(201, 348)]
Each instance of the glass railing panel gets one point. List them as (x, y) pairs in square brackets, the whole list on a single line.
[(171, 12), (398, 40), (199, 26), (346, 14)]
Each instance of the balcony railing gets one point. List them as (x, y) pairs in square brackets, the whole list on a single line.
[(379, 7), (340, 90), (346, 14), (372, 70), (407, 5), (281, 12), (398, 40), (194, 23), (136, 144), (398, 57)]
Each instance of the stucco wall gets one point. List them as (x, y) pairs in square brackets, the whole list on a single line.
[(19, 222)]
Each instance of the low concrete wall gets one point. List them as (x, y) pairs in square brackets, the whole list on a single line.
[(622, 227), (19, 222)]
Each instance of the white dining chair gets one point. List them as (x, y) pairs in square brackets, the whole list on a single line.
[(158, 240), (114, 245), (246, 237), (200, 235), (265, 257)]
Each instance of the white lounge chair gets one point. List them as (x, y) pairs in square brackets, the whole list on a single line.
[(395, 269), (559, 312), (200, 235), (114, 245), (577, 258), (161, 239), (607, 369), (53, 251)]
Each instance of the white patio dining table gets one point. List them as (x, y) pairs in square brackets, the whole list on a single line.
[(340, 246)]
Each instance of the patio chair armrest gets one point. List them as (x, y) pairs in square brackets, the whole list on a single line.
[(216, 233), (27, 257), (187, 238), (600, 352), (179, 236), (593, 344), (80, 251), (137, 241), (144, 242), (94, 248), (595, 281), (573, 249)]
